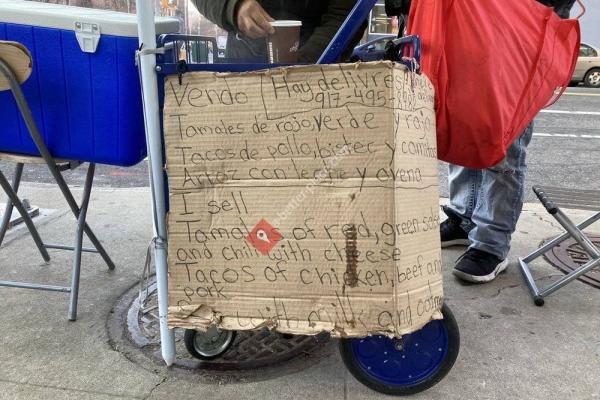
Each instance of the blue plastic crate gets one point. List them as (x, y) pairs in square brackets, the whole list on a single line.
[(87, 104)]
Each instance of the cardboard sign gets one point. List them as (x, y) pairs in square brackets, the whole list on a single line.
[(303, 199)]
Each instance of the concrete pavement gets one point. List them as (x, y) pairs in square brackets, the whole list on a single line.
[(510, 349)]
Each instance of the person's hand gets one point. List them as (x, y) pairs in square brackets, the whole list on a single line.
[(253, 20)]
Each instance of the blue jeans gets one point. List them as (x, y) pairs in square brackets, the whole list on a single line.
[(490, 200)]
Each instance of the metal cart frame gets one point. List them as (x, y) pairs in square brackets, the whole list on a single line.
[(150, 73)]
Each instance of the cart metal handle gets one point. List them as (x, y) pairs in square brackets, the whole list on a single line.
[(405, 50), (360, 12)]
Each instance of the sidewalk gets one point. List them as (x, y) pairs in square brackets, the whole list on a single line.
[(510, 349)]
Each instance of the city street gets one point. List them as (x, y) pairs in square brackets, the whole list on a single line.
[(566, 146), (565, 151), (300, 245)]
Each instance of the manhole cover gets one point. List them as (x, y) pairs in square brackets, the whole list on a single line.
[(569, 256), (254, 355)]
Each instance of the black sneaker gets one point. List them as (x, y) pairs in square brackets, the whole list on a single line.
[(478, 266), (451, 233)]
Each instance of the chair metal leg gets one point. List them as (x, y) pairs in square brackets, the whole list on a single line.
[(35, 286), (76, 211), (12, 197), (559, 239), (570, 277), (573, 231), (533, 289), (5, 220), (79, 243), (41, 146), (9, 204), (79, 212), (579, 237)]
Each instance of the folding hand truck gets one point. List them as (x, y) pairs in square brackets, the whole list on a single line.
[(397, 366)]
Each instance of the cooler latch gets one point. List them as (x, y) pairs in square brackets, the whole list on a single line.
[(88, 36)]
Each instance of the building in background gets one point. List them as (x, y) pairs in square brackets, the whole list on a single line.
[(117, 5), (191, 21), (380, 24)]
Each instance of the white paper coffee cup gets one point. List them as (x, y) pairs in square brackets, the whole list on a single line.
[(283, 44)]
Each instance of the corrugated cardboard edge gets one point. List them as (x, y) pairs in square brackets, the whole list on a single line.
[(211, 317)]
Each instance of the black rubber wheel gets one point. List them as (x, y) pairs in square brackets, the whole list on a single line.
[(592, 78), (208, 345), (538, 301), (414, 364)]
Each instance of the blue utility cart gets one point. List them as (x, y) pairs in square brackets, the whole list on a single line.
[(420, 359)]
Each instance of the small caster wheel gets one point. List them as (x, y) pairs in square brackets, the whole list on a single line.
[(538, 300), (208, 345), (408, 365)]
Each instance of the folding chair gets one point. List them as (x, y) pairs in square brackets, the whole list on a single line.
[(552, 198), (15, 68)]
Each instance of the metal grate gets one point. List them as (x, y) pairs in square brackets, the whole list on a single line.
[(250, 350), (569, 255)]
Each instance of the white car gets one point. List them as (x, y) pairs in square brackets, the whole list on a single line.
[(587, 69)]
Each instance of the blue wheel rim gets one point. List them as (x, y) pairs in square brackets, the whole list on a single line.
[(422, 355)]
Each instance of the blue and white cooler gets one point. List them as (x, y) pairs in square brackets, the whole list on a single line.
[(84, 91)]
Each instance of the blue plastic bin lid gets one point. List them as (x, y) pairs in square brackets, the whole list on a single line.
[(67, 17)]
